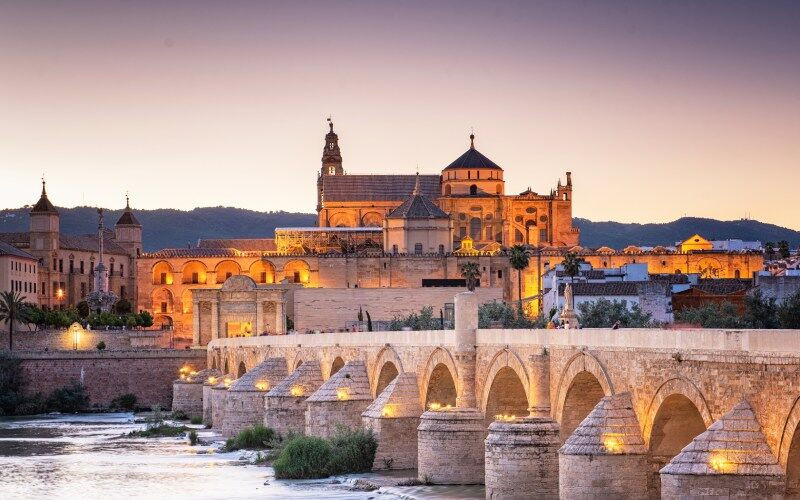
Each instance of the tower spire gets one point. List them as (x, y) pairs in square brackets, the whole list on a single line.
[(417, 191), (471, 138)]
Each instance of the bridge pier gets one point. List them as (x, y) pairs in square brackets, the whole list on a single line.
[(285, 405), (340, 401), (244, 404), (219, 393), (187, 394), (208, 385), (605, 456), (522, 459), (730, 459), (450, 441), (393, 418)]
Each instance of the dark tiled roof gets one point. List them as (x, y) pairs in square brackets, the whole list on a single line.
[(128, 219), (473, 159), (417, 207), (620, 288), (672, 279), (44, 205), (193, 252), (91, 243), (16, 239), (723, 286), (377, 187), (8, 249), (592, 274), (242, 244)]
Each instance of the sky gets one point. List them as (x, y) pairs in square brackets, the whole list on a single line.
[(660, 109)]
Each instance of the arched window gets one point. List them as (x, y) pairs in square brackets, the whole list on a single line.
[(737, 274), (473, 189), (475, 228)]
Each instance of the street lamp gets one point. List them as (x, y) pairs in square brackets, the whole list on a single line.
[(59, 296), (75, 334)]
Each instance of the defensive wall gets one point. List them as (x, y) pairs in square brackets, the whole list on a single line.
[(65, 339), (147, 373), (674, 383)]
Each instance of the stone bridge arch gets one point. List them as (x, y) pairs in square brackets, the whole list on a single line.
[(582, 383), (789, 449), (507, 388), (438, 362), (675, 386), (387, 357)]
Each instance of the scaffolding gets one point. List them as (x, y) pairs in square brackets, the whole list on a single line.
[(321, 240)]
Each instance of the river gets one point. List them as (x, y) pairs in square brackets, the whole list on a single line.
[(82, 456)]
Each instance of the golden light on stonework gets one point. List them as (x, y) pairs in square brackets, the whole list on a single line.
[(435, 406), (227, 381), (612, 442), (342, 394), (504, 417), (296, 391), (212, 380), (719, 462), (262, 385), (388, 410), (192, 373)]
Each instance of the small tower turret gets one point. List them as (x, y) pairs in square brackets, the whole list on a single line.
[(44, 226), (331, 155), (128, 231)]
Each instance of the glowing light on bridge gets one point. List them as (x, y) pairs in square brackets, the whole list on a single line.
[(612, 442), (212, 380), (296, 391), (342, 394), (262, 385), (719, 462)]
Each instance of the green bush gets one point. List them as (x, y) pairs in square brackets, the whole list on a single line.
[(196, 420), (101, 346), (159, 430), (124, 402), (603, 313), (303, 457), (789, 312), (257, 437), (192, 438), (352, 451), (12, 383), (422, 321), (179, 415), (145, 319), (722, 315), (69, 399), (506, 316)]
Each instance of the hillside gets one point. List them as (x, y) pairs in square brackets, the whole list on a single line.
[(174, 228)]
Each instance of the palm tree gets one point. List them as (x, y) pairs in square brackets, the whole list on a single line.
[(472, 273), (519, 261), (783, 249), (769, 249), (11, 305)]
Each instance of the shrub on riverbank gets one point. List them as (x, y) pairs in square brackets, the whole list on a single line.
[(353, 451), (69, 399), (257, 437), (159, 430), (12, 384), (347, 452), (124, 402), (303, 457)]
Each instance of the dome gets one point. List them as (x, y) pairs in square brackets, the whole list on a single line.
[(473, 158)]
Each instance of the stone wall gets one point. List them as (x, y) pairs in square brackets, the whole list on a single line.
[(328, 309), (146, 373), (64, 340)]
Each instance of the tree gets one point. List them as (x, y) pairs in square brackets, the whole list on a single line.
[(722, 315), (83, 309), (11, 309), (369, 322), (603, 313), (789, 312), (760, 311), (769, 250), (123, 306), (572, 265), (783, 249), (360, 315), (472, 273), (519, 260)]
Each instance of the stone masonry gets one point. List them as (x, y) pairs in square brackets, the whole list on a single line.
[(394, 417), (285, 405), (450, 446), (340, 401), (187, 394), (244, 404)]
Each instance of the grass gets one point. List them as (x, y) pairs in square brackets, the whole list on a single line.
[(196, 420), (160, 430), (348, 451), (257, 437), (192, 438)]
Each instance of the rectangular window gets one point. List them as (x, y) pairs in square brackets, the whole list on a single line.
[(121, 272), (441, 249), (34, 288), (81, 267), (163, 278), (500, 274), (111, 269), (122, 293), (418, 248), (195, 278), (263, 276), (71, 266), (297, 276), (543, 235), (163, 307), (44, 288), (55, 264), (83, 290), (61, 265), (394, 248)]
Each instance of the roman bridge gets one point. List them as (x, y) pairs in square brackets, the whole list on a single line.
[(674, 383)]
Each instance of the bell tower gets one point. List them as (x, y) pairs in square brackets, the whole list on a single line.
[(331, 156)]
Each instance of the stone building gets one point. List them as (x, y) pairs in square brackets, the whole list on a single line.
[(67, 263), (18, 272)]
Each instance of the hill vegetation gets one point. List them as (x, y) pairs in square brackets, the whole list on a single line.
[(165, 228)]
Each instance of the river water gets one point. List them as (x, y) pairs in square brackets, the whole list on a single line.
[(82, 456)]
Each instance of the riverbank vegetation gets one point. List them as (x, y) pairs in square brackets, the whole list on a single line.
[(759, 312), (257, 437), (346, 452), (14, 400)]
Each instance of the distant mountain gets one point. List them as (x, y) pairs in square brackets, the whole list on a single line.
[(176, 228), (618, 235)]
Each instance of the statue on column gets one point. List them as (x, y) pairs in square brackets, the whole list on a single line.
[(101, 299), (568, 317)]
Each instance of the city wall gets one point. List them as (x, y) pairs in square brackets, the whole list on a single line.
[(146, 373), (318, 308), (65, 340)]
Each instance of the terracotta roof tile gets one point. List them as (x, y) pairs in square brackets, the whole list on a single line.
[(377, 187)]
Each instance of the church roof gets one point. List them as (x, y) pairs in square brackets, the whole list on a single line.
[(11, 250), (43, 206), (85, 242), (377, 187), (241, 244), (473, 159), (127, 218), (418, 206)]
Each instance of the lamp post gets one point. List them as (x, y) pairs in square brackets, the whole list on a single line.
[(59, 296), (75, 334)]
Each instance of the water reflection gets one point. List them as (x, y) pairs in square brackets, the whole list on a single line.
[(82, 456)]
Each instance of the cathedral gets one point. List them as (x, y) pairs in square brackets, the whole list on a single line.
[(471, 190)]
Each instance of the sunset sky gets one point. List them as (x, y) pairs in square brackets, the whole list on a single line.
[(660, 109)]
